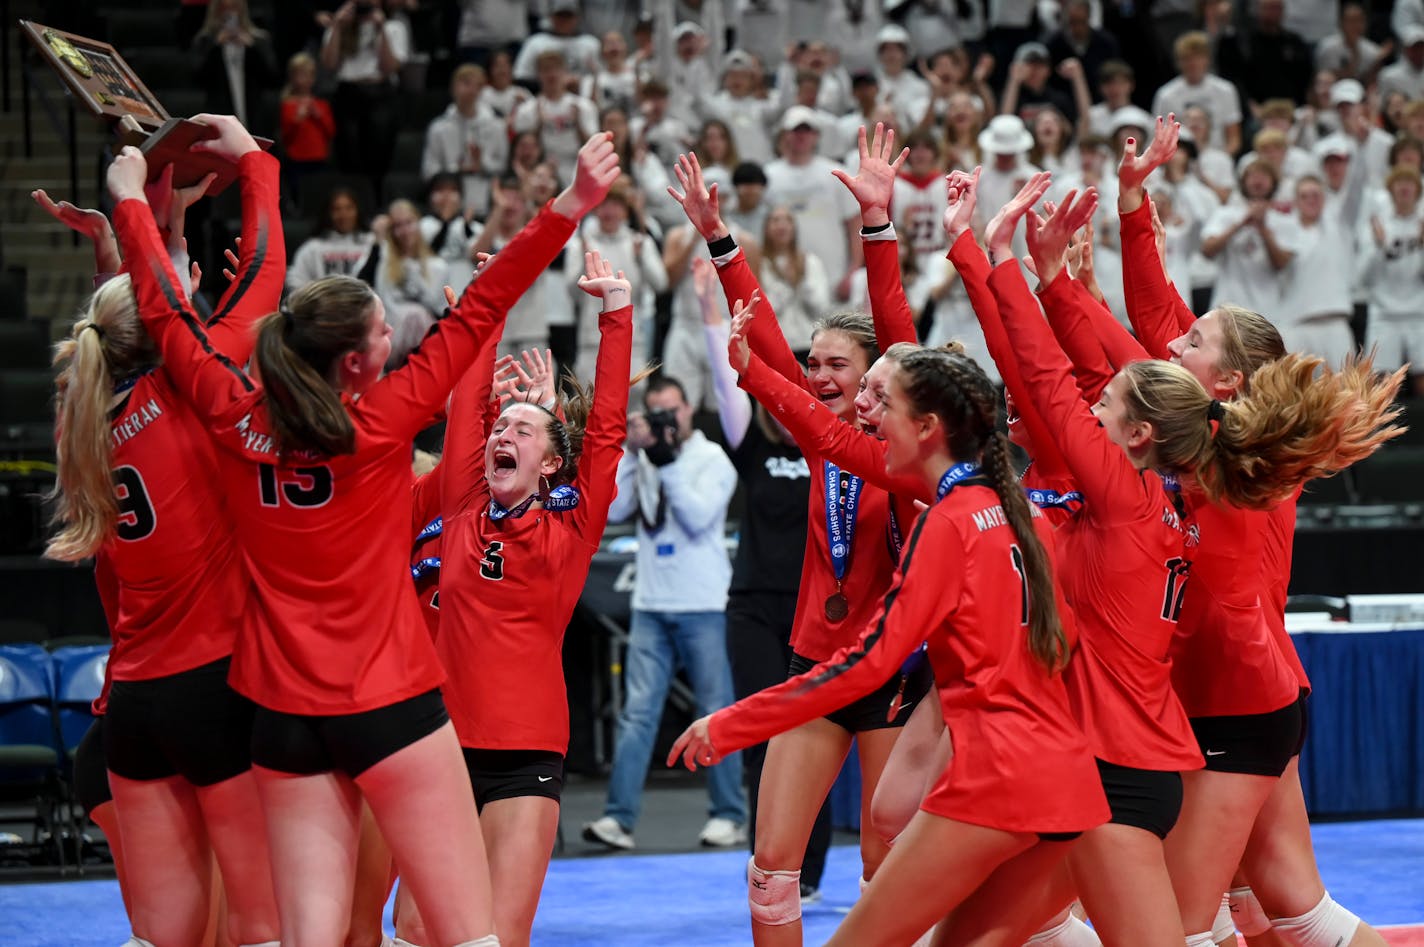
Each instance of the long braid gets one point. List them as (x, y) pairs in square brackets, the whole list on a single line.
[(956, 388)]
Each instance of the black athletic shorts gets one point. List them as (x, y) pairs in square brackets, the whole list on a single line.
[(91, 776), (1304, 719), (1148, 799), (348, 743), (190, 724), (1253, 744), (510, 774), (869, 712), (1059, 836)]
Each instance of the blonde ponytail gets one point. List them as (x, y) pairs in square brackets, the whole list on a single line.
[(106, 345)]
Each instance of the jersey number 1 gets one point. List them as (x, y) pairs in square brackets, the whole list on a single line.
[(303, 487), (1177, 569), (1017, 556)]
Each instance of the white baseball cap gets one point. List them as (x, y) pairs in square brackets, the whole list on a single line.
[(1005, 135), (1347, 92)]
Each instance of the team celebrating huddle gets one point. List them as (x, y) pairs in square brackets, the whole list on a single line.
[(1075, 680)]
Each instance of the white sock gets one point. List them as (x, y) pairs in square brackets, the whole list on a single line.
[(926, 939), (863, 884), (1204, 939), (1072, 932), (488, 940), (265, 943), (397, 942), (136, 941)]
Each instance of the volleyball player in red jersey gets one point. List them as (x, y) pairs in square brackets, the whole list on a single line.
[(514, 557), (840, 580), (138, 489), (347, 695), (1251, 452), (1238, 673), (1022, 783)]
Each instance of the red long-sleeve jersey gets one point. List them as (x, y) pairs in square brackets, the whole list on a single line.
[(872, 555), (509, 586), (1020, 762), (1276, 573), (177, 583), (334, 627), (1227, 659), (426, 545), (1124, 561)]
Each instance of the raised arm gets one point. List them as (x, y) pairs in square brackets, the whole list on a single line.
[(1154, 306), (607, 421), (820, 434), (872, 187), (738, 281), (404, 400), (918, 602), (734, 407)]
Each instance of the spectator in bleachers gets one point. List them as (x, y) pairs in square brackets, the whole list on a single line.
[(502, 95), (1413, 124), (900, 86), (1348, 52), (939, 25), (578, 50), (847, 27), (467, 140), (526, 153), (1406, 74), (1214, 166), (1316, 118), (647, 172), (1029, 87), (827, 217), (833, 83), (1255, 243), (1392, 269), (341, 242), (450, 230), (666, 136), (1116, 83), (488, 27), (948, 72), (408, 278), (365, 50), (688, 59), (743, 106), (1004, 144), (718, 153), (614, 83), (1197, 85), (919, 199), (1077, 38), (1315, 311), (963, 125), (1372, 143), (601, 17), (865, 96), (1009, 26), (307, 125), (807, 86), (530, 322), (235, 64), (1267, 60), (562, 119), (793, 281), (1179, 239), (1312, 19), (1052, 140), (748, 210), (1271, 146), (617, 233)]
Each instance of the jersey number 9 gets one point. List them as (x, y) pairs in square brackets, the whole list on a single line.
[(137, 519)]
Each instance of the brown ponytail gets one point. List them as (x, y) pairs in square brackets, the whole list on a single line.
[(106, 344), (296, 349), (955, 388), (1300, 421)]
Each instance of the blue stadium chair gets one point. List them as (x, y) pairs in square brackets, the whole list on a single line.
[(79, 679), (29, 749)]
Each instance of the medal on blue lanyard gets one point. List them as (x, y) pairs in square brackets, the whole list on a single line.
[(841, 510), (954, 475), (498, 511), (1045, 499)]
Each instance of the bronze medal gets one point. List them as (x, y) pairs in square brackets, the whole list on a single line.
[(837, 608)]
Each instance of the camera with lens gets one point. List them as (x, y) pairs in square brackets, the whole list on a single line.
[(662, 425)]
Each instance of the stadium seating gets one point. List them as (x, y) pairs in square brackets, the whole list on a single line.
[(29, 753)]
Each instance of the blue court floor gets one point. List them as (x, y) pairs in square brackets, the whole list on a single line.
[(699, 900)]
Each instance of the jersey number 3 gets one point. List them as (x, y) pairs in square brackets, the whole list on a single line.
[(492, 565), (1177, 569), (303, 487), (136, 517)]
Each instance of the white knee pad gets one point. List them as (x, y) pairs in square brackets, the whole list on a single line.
[(136, 942), (1072, 932), (1223, 927), (774, 896), (1325, 925), (398, 942), (863, 884), (489, 940), (1204, 939), (265, 943), (1246, 912)]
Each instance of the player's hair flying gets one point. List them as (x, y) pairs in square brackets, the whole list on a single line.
[(1248, 341), (106, 345), (953, 387), (296, 349), (1300, 421)]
